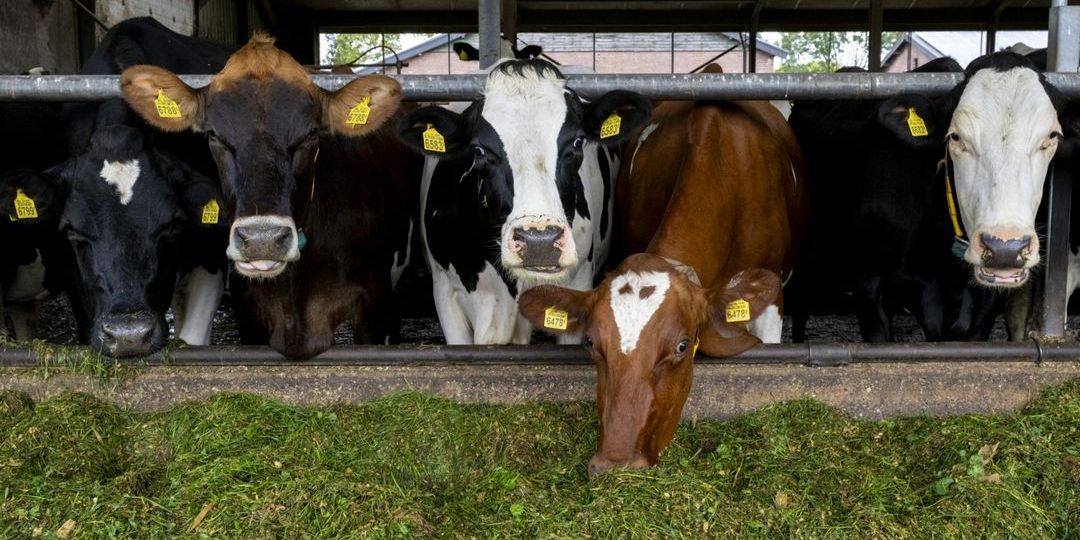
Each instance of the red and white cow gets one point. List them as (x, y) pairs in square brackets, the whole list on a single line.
[(714, 197)]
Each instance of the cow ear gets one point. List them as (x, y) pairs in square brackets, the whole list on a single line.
[(31, 197), (744, 298), (556, 310), (435, 131), (912, 119), (466, 52), (360, 107), (162, 99), (199, 196), (612, 118)]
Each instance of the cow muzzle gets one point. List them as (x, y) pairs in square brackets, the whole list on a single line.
[(1004, 258), (262, 246), (539, 246), (129, 334), (599, 464)]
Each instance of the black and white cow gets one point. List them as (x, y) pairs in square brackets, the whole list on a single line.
[(877, 180), (1003, 132), (467, 53), (518, 194), (141, 221), (31, 137)]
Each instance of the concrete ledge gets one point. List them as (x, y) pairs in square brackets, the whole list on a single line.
[(871, 390)]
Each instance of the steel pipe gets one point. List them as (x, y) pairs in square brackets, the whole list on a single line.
[(809, 354), (681, 86)]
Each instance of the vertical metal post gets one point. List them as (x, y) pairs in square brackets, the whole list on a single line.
[(489, 23), (876, 22), (755, 22), (1063, 54), (509, 20)]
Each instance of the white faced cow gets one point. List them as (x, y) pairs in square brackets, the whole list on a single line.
[(1003, 133), (516, 192)]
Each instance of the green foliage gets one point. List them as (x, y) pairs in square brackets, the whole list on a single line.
[(826, 52), (414, 466), (344, 48)]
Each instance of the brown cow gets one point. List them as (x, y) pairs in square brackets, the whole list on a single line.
[(731, 174), (295, 171)]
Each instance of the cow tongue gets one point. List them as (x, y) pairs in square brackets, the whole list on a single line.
[(261, 266)]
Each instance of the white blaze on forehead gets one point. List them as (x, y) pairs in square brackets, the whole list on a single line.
[(633, 308), (527, 110), (1002, 118), (122, 175)]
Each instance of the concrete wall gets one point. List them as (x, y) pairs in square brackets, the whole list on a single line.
[(37, 34), (435, 62)]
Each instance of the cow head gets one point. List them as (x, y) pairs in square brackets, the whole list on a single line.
[(125, 208), (643, 324), (1003, 134), (522, 146), (264, 117)]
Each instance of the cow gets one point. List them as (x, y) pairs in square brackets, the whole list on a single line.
[(320, 193), (712, 204), (31, 137), (516, 193), (877, 181), (140, 221)]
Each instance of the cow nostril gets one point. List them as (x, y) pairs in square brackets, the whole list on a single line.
[(595, 470)]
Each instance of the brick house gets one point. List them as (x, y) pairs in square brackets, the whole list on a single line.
[(603, 53), (918, 48)]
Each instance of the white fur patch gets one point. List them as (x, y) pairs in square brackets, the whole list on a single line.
[(632, 312), (768, 325), (122, 175), (1002, 119), (527, 111), (641, 140)]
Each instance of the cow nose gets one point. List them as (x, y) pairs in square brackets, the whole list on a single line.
[(1005, 253), (262, 241), (599, 465), (127, 335), (539, 247)]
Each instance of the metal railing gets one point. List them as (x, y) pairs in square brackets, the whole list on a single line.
[(690, 86)]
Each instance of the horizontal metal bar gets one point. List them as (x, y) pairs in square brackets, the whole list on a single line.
[(812, 354), (695, 86)]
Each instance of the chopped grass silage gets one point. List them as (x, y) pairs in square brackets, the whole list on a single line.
[(239, 466)]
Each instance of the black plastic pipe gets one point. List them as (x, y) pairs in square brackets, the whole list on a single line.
[(809, 354)]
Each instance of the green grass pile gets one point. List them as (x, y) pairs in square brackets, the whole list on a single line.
[(238, 466)]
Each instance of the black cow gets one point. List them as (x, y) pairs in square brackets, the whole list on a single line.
[(323, 197), (137, 215), (881, 227)]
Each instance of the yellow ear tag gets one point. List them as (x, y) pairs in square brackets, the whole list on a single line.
[(210, 212), (166, 107), (916, 124), (358, 115), (24, 206), (737, 311), (555, 318), (433, 140), (697, 343), (611, 126)]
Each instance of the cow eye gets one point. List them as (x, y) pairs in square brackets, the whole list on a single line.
[(579, 143), (478, 152), (588, 342), (954, 136), (682, 346)]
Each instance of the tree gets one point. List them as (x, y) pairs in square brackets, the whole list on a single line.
[(824, 52), (344, 48)]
